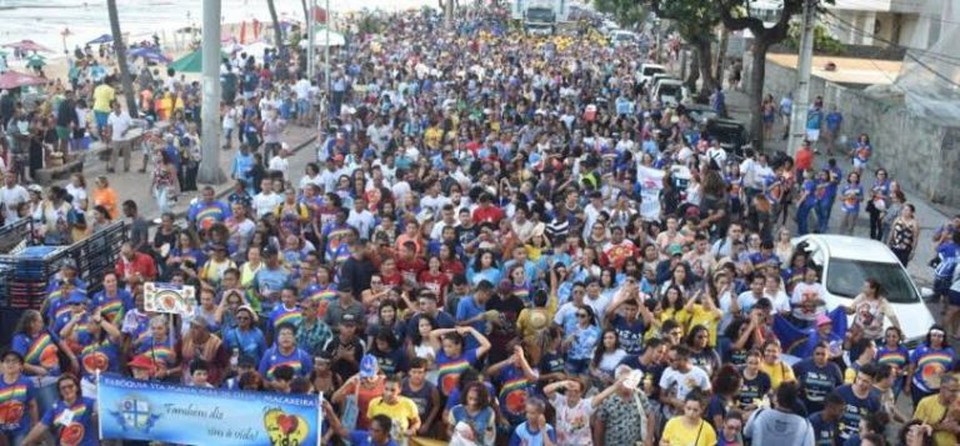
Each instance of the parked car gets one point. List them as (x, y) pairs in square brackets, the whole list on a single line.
[(847, 262), (670, 92), (621, 37), (730, 134), (647, 70)]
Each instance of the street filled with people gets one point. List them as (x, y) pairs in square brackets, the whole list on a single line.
[(475, 257)]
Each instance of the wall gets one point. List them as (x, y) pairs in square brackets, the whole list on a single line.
[(923, 156)]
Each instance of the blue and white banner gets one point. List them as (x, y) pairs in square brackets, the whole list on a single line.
[(148, 410)]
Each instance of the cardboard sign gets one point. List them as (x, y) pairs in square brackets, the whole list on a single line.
[(169, 298)]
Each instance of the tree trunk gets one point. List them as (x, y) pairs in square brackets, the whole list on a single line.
[(121, 47), (278, 41), (692, 74), (705, 65), (722, 53), (306, 14), (755, 92)]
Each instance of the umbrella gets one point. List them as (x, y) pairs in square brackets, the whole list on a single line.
[(29, 45), (13, 79), (36, 61), (104, 38), (156, 57), (191, 63), (320, 38)]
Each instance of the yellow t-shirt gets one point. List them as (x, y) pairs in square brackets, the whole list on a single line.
[(103, 95), (680, 435), (710, 320), (779, 373), (931, 411), (400, 413)]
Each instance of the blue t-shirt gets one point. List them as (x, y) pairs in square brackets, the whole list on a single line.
[(113, 308), (833, 121), (754, 389), (40, 350), (824, 432), (817, 382), (810, 187), (250, 343), (363, 438), (584, 342), (299, 360), (15, 401), (814, 118), (467, 309), (73, 422), (449, 369), (514, 388), (482, 422), (103, 356), (523, 436), (856, 409), (630, 334)]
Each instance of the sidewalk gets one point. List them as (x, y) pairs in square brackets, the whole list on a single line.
[(135, 186), (931, 215)]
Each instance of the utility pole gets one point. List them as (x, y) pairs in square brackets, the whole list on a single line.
[(311, 32), (801, 98), (210, 172), (326, 53)]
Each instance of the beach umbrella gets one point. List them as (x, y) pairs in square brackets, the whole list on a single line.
[(191, 63), (104, 38), (13, 79), (36, 61), (320, 38), (29, 45), (156, 57)]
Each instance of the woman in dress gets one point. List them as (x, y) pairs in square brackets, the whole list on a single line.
[(904, 234), (879, 198), (870, 308)]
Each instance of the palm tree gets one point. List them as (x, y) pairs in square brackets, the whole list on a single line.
[(121, 47), (277, 38)]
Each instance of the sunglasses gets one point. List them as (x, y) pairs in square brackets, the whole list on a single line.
[(583, 315)]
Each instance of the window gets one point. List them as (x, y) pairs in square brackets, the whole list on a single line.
[(845, 278)]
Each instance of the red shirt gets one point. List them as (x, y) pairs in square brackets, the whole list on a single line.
[(410, 269), (436, 283), (804, 159), (141, 263), (491, 214)]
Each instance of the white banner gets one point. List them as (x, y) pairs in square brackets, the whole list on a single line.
[(651, 182)]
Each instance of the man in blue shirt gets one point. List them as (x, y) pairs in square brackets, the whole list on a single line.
[(207, 211), (472, 311), (826, 423)]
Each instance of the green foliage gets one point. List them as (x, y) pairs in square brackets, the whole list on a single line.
[(823, 42), (627, 13), (695, 20)]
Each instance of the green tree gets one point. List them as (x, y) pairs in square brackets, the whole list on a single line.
[(277, 36), (627, 13), (823, 42), (735, 15)]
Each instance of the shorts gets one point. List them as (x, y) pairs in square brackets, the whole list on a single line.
[(102, 118), (303, 107), (859, 164), (63, 132), (813, 135), (953, 298)]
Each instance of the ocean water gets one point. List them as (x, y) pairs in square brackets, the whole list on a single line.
[(43, 21)]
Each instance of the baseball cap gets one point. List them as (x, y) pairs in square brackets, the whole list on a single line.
[(76, 297), (368, 366), (348, 318), (675, 250), (823, 320), (269, 251), (141, 362)]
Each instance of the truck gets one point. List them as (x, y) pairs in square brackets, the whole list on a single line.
[(540, 16)]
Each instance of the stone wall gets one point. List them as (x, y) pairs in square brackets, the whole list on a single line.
[(923, 156)]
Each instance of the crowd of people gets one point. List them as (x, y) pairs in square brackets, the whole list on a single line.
[(467, 261)]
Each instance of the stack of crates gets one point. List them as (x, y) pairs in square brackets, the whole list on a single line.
[(30, 271), (98, 254), (13, 239)]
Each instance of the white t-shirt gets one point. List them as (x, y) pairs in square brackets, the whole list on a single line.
[(79, 194), (695, 378), (120, 124), (280, 164), (264, 203), (11, 198), (803, 292), (573, 423)]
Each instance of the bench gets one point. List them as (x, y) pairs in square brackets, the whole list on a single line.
[(48, 175)]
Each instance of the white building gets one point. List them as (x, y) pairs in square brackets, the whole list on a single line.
[(909, 23)]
